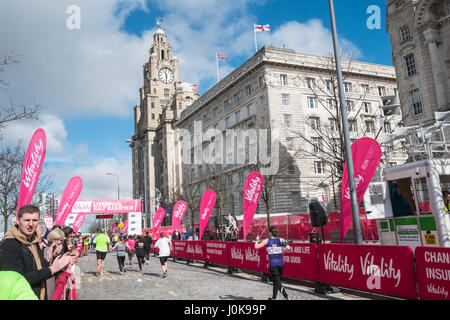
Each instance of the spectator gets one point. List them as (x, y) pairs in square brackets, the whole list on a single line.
[(56, 239), (164, 245), (20, 252), (15, 287), (42, 232), (176, 235), (148, 244), (92, 242)]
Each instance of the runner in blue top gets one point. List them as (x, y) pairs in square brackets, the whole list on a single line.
[(275, 248)]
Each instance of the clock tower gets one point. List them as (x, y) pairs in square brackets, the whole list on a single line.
[(156, 171)]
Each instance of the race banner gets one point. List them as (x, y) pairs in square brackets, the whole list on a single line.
[(107, 206), (379, 269), (159, 217), (195, 250), (252, 192), (243, 255), (178, 213), (301, 262), (78, 222), (125, 227), (31, 169), (70, 195), (433, 273), (366, 154), (179, 249), (216, 252), (206, 207)]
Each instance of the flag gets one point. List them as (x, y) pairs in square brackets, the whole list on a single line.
[(262, 28), (252, 192), (222, 57)]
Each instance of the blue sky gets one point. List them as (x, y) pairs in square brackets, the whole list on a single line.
[(88, 79)]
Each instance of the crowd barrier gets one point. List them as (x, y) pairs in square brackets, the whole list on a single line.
[(388, 270)]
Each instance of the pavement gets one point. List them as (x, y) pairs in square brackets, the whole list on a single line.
[(184, 282)]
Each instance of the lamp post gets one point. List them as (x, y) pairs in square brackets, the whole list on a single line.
[(147, 218), (348, 150)]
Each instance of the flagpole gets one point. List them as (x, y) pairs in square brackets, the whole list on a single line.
[(256, 42), (217, 65), (348, 150)]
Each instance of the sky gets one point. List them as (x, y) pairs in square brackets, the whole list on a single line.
[(87, 79)]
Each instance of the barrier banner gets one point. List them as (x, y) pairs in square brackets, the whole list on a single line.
[(31, 169), (301, 262), (433, 273), (78, 222), (243, 255), (252, 192), (217, 252), (366, 154), (385, 270), (195, 250), (179, 249), (177, 214), (70, 195), (206, 207)]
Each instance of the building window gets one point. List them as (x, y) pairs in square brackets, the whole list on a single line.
[(287, 120), (399, 3), (416, 102), (352, 125), (249, 110), (291, 169), (310, 82), (367, 107), (236, 98), (285, 99), (248, 91), (153, 116), (166, 93), (227, 123), (317, 144), (283, 80), (350, 105), (333, 124), (329, 85), (319, 167), (311, 102), (381, 91), (347, 87), (410, 64), (331, 104), (261, 82), (405, 35), (314, 123), (370, 127), (237, 116), (387, 127), (153, 105), (226, 104)]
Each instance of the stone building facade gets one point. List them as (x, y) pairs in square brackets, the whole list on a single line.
[(162, 99), (420, 38), (288, 97)]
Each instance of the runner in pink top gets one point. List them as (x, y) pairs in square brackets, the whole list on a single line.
[(130, 248)]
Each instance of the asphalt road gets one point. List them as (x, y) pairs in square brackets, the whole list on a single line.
[(184, 282)]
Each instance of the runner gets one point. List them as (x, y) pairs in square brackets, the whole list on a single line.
[(102, 243), (86, 245), (139, 246), (130, 248), (275, 248), (121, 247), (164, 245)]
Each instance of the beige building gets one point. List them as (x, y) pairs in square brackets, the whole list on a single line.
[(162, 98), (420, 38), (291, 99)]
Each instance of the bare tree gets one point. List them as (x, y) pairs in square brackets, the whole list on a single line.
[(191, 193)]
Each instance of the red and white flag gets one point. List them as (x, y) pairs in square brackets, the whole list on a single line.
[(262, 28), (222, 57)]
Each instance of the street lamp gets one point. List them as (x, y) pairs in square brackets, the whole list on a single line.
[(348, 150), (145, 182)]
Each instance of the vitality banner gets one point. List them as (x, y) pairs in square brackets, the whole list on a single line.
[(252, 192), (78, 222), (32, 165), (206, 207), (366, 153), (70, 195), (159, 217), (178, 213)]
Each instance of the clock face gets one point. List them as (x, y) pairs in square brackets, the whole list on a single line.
[(166, 75)]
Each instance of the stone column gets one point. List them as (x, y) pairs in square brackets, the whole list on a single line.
[(432, 39)]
